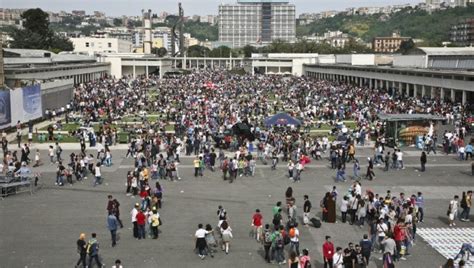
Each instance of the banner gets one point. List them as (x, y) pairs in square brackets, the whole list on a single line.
[(5, 111), (32, 102)]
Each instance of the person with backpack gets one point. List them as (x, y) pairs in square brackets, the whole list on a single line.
[(277, 247), (226, 233), (267, 242), (81, 250), (294, 235), (306, 210), (305, 260), (277, 220), (93, 250)]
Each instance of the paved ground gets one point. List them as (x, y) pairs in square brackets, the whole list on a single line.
[(41, 230)]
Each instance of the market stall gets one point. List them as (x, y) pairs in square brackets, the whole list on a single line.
[(405, 129)]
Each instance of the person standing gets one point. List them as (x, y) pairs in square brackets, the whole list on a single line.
[(306, 210), (420, 203), (196, 163), (328, 252), (453, 210), (141, 221), (366, 248), (294, 234), (293, 260), (81, 250), (133, 214), (423, 161), (93, 250), (155, 222), (97, 174), (257, 224), (305, 260), (58, 150), (338, 258), (467, 207), (389, 247), (112, 224)]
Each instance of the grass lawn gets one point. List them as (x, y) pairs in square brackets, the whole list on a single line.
[(169, 128), (65, 139)]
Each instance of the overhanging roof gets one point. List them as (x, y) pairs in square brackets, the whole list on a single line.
[(410, 117)]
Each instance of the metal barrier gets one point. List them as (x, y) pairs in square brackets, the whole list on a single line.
[(10, 185)]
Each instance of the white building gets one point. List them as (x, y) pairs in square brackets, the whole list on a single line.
[(282, 63), (256, 22), (93, 45)]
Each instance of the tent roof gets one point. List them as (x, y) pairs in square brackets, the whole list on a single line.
[(281, 119)]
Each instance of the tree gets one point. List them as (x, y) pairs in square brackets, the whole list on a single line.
[(198, 51), (118, 22), (248, 50), (36, 33), (160, 52), (406, 46), (220, 52)]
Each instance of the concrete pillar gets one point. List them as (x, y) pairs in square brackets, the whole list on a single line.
[(464, 97), (361, 82), (370, 83), (432, 92), (453, 95), (415, 90), (386, 84), (423, 91), (441, 94), (407, 90), (376, 82), (146, 70), (134, 70)]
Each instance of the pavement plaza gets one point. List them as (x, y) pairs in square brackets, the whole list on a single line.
[(41, 230)]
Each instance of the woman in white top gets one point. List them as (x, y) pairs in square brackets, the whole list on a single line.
[(291, 167), (338, 258), (226, 233), (453, 210)]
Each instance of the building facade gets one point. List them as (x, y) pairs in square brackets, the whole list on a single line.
[(93, 45), (256, 22), (388, 44), (462, 34)]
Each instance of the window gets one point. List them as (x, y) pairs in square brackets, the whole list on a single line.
[(87, 44), (109, 44)]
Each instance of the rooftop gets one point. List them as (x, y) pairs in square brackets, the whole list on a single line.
[(448, 51)]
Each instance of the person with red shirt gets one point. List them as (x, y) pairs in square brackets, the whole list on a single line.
[(399, 237), (141, 219), (328, 252), (257, 224)]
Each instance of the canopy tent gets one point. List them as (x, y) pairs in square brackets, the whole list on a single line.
[(281, 119), (242, 129)]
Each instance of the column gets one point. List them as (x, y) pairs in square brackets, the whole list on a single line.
[(376, 84), (360, 82), (146, 70), (370, 83), (432, 92), (386, 84), (414, 90), (423, 91), (464, 97), (441, 94), (407, 90), (453, 95), (134, 71)]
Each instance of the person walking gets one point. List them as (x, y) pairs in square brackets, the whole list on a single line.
[(155, 222), (226, 232), (328, 252), (423, 161), (453, 210), (420, 203), (81, 250), (267, 242), (201, 244), (356, 170), (257, 224), (112, 224), (293, 260), (93, 251)]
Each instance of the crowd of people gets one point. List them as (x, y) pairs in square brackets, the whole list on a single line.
[(204, 109)]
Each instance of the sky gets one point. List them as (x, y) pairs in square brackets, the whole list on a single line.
[(191, 7)]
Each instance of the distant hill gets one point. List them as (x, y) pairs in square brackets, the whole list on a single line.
[(416, 23)]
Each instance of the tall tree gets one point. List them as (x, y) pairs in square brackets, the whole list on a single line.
[(36, 33)]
